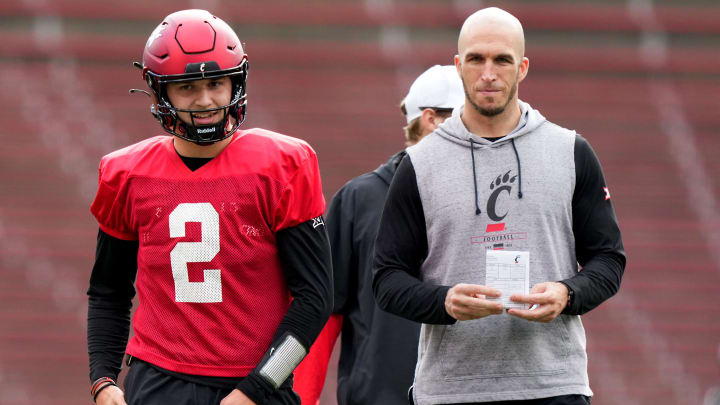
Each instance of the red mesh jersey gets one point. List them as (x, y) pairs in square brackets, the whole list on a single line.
[(210, 286)]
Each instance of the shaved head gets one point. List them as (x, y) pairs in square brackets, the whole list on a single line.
[(491, 63), (489, 23)]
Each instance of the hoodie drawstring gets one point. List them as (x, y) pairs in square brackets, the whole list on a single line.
[(472, 157), (517, 157)]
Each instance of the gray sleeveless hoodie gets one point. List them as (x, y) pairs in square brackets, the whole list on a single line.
[(521, 187)]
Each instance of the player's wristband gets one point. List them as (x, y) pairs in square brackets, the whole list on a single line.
[(100, 390), (99, 385), (281, 360)]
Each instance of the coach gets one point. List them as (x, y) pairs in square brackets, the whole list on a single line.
[(498, 176)]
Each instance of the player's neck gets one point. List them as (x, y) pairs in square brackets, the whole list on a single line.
[(190, 149), (491, 127)]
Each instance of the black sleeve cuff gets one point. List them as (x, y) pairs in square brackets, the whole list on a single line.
[(446, 319), (257, 389), (401, 294), (571, 299)]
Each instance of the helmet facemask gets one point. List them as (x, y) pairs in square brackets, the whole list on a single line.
[(168, 116)]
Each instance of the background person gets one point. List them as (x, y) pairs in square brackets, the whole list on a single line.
[(378, 349)]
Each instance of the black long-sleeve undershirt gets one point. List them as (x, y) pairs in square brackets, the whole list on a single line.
[(598, 243), (401, 246), (110, 298), (305, 256)]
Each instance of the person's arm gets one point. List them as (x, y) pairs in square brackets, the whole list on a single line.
[(305, 255), (340, 226), (400, 249), (311, 373), (598, 242), (110, 297)]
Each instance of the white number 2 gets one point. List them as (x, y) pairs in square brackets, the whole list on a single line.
[(209, 290)]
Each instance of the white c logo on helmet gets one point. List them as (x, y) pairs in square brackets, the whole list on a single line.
[(202, 67)]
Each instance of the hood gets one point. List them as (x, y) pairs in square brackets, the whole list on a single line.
[(386, 171), (454, 130)]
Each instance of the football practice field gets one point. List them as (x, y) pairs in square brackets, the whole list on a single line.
[(640, 79)]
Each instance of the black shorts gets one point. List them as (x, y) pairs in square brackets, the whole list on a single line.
[(146, 385)]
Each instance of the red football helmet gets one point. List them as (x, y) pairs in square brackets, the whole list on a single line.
[(192, 45)]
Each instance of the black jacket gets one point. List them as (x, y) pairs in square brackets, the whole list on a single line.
[(379, 350)]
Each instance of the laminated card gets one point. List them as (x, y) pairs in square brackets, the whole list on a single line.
[(509, 272)]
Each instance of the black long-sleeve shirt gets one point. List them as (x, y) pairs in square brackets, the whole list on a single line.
[(401, 246)]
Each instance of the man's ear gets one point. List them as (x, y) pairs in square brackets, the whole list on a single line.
[(429, 120), (523, 71)]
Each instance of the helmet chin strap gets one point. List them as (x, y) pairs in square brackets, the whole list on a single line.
[(207, 134)]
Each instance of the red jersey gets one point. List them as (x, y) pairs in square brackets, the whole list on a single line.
[(210, 284)]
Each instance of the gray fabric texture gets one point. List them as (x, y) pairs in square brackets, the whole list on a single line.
[(498, 357)]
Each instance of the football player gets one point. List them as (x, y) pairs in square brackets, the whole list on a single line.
[(220, 232)]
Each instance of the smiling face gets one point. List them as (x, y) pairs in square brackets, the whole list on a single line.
[(204, 94), (491, 61)]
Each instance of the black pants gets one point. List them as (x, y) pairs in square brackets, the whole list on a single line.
[(146, 385), (561, 400)]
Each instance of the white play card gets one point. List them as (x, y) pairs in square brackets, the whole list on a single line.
[(509, 272)]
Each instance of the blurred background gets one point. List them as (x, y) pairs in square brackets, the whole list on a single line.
[(639, 79)]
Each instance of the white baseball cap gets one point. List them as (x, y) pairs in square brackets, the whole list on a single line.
[(437, 87)]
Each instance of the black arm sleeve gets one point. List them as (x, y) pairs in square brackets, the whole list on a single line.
[(400, 249), (109, 302), (344, 259), (598, 242), (305, 255)]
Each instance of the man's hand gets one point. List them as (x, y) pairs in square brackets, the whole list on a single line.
[(468, 301), (236, 397), (111, 396), (551, 298)]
